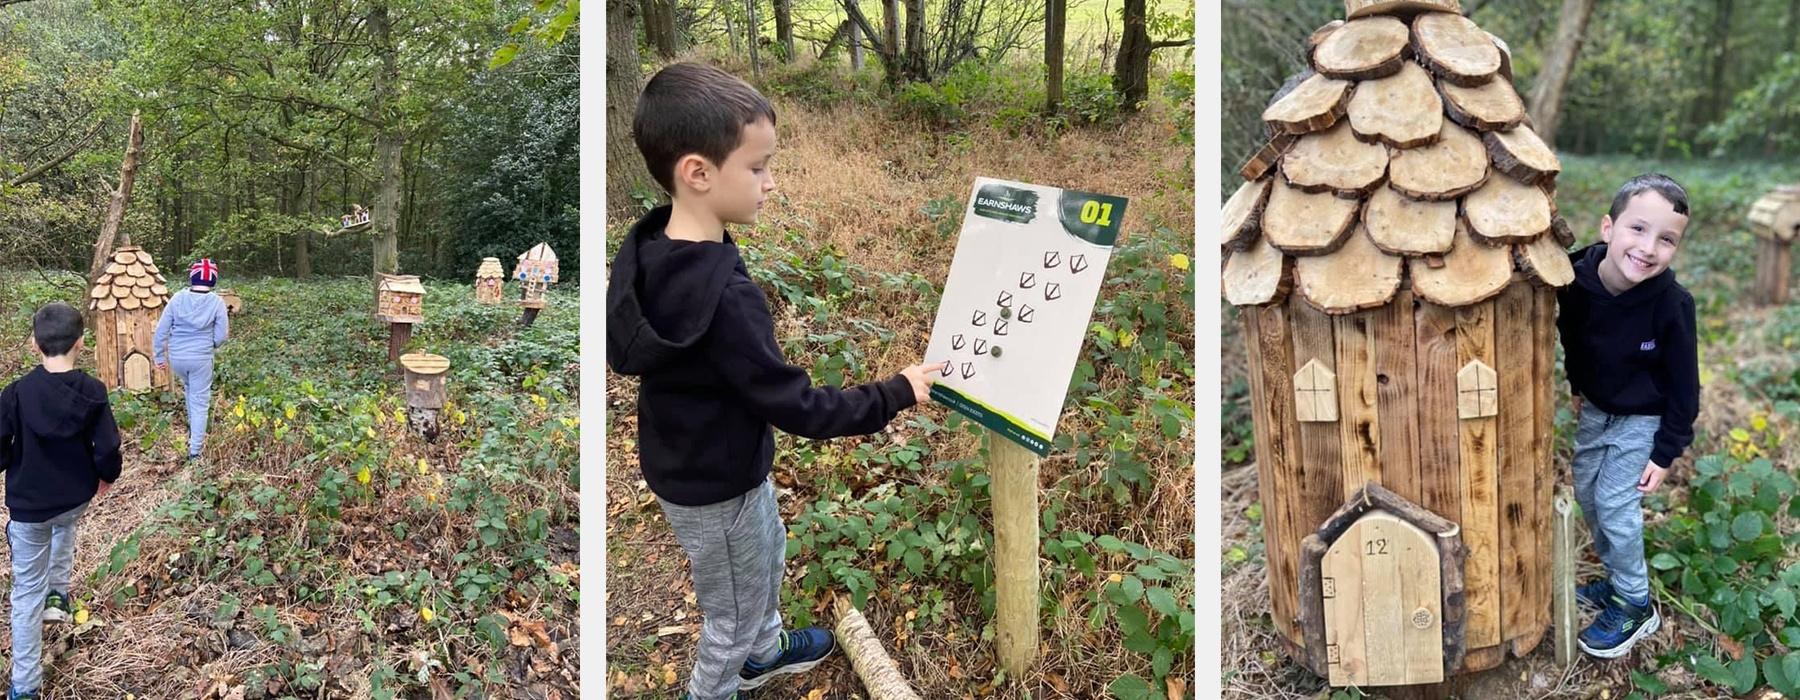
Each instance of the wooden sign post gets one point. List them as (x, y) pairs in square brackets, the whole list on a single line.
[(1028, 268), (1013, 483)]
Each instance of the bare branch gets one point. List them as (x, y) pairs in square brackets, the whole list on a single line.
[(39, 171)]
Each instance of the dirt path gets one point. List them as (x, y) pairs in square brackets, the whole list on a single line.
[(71, 663)]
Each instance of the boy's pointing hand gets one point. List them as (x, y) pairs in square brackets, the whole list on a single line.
[(921, 377)]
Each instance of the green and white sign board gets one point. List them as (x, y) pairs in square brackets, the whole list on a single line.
[(1028, 267)]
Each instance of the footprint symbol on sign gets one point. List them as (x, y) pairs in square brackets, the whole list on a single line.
[(957, 342), (980, 346), (1052, 291), (968, 370), (1052, 259), (1027, 280), (1077, 263), (980, 318), (1005, 299), (1000, 327), (1025, 313), (949, 368)]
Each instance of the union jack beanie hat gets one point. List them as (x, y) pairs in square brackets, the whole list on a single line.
[(203, 273)]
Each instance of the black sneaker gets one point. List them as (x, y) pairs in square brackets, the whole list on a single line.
[(801, 650), (1593, 595), (57, 607), (1620, 625)]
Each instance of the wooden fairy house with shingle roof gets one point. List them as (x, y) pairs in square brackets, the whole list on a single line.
[(490, 281), (1775, 218), (124, 304), (1393, 254)]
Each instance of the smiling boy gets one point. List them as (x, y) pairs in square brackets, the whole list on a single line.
[(1629, 346)]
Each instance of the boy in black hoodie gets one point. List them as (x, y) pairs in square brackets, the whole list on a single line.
[(1629, 347), (683, 314), (60, 449)]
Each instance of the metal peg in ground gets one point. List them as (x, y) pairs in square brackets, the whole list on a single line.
[(424, 375)]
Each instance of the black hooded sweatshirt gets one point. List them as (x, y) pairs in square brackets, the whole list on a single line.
[(58, 441), (1635, 353), (686, 317)]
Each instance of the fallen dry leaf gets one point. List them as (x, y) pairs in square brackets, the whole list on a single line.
[(1177, 688), (1732, 647)]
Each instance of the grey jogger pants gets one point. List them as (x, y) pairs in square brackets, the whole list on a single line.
[(1610, 454), (196, 382), (43, 558), (738, 550)]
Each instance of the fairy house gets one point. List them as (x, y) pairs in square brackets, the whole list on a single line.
[(490, 279), (1393, 257), (233, 302), (124, 305), (536, 271), (400, 299), (1775, 219)]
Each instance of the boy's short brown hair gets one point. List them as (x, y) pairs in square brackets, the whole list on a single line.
[(56, 327), (693, 108)]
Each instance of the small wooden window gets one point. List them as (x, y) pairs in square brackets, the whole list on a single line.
[(1477, 391), (1315, 394)]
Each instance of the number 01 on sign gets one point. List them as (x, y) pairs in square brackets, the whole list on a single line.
[(1022, 286)]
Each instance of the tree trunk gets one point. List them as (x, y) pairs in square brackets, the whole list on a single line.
[(751, 33), (784, 28), (730, 27), (1793, 25), (1054, 26), (1721, 42), (115, 208), (1547, 94), (389, 143), (915, 40), (659, 27), (856, 57), (625, 171), (890, 40), (1131, 72)]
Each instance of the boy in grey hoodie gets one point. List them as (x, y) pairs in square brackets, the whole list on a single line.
[(193, 325)]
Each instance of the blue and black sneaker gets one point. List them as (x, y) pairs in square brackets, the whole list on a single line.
[(15, 694), (1620, 625), (1593, 595), (801, 650)]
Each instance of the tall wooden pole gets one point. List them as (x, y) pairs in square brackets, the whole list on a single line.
[(1013, 482), (115, 206)]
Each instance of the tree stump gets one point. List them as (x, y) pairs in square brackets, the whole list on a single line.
[(424, 376)]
